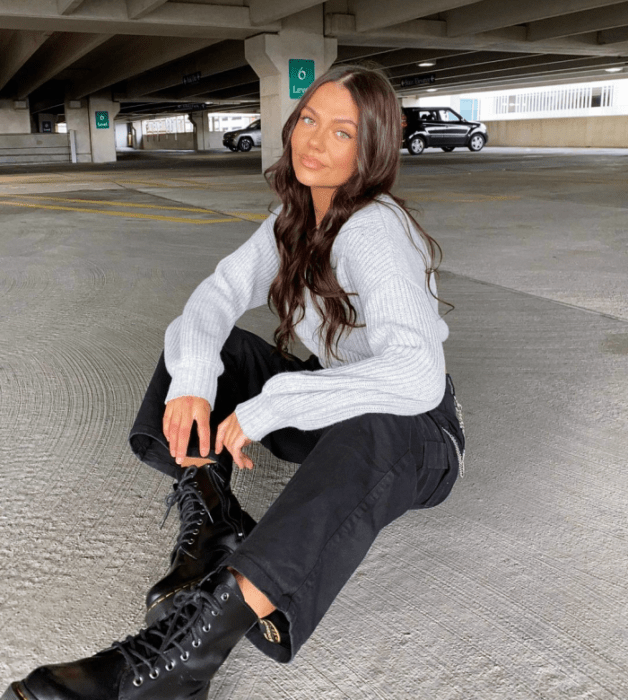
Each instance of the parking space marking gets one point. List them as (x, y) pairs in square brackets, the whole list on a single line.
[(127, 214), (113, 203)]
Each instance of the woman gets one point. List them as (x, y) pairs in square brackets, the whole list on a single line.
[(375, 424)]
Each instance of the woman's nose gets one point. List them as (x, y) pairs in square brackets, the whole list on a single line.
[(316, 140)]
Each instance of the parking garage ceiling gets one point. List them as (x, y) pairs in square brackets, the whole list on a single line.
[(177, 55)]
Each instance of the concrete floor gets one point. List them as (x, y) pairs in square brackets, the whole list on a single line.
[(515, 588)]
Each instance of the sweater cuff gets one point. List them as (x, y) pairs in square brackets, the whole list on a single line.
[(197, 380), (256, 418)]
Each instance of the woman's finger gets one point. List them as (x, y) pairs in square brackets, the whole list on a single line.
[(203, 429)]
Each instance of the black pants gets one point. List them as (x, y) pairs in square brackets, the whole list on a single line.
[(356, 477)]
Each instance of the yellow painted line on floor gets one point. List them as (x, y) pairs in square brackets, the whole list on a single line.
[(129, 214), (112, 204), (248, 215)]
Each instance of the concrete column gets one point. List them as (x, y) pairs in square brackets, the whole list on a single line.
[(46, 123), (138, 134), (103, 140), (14, 117), (300, 37), (92, 145), (201, 130), (77, 120)]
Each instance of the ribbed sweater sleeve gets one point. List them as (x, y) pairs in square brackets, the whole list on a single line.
[(405, 375), (194, 340)]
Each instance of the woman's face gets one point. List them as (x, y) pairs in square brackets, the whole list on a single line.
[(324, 141)]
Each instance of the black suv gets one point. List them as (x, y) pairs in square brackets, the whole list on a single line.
[(440, 127)]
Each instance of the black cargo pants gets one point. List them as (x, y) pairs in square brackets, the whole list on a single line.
[(356, 477)]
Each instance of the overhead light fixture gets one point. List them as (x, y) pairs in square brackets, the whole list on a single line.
[(432, 89), (426, 64), (617, 69)]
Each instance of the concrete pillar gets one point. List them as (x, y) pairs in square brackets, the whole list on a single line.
[(14, 117), (77, 120), (201, 131), (301, 37), (138, 134), (46, 123), (103, 140), (93, 145)]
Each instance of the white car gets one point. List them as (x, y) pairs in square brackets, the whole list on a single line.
[(244, 139)]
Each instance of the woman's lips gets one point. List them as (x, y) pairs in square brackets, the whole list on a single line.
[(311, 163)]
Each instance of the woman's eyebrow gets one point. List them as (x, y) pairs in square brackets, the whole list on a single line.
[(348, 121)]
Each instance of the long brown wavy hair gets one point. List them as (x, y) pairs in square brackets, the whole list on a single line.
[(304, 249)]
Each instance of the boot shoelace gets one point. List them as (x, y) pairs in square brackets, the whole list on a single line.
[(160, 640), (192, 508)]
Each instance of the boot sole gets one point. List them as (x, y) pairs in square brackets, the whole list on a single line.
[(16, 691)]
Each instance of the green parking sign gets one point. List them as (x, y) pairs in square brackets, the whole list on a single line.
[(102, 120), (301, 72)]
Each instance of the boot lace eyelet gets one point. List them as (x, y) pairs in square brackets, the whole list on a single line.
[(225, 597), (137, 681), (170, 666), (196, 643), (206, 628), (195, 531), (154, 673), (214, 613), (185, 656)]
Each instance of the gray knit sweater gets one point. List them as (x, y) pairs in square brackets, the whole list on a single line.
[(393, 365)]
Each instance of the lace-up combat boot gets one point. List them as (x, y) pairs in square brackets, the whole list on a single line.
[(212, 526), (174, 659)]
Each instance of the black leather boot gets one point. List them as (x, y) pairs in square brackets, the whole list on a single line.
[(174, 659), (212, 526)]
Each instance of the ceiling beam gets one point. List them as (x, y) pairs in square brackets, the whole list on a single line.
[(137, 55), (410, 58), (467, 87), (61, 51), (613, 36), (111, 17), (371, 14), (579, 23), (140, 8), (526, 70), (432, 34), (268, 11), (223, 56), (494, 14), (472, 66), (67, 7), (232, 79), (20, 47)]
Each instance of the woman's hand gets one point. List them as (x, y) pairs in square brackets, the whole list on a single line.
[(179, 416), (230, 434)]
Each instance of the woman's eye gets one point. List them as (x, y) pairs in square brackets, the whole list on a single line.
[(307, 120), (344, 134)]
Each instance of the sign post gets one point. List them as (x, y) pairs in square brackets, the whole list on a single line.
[(301, 72)]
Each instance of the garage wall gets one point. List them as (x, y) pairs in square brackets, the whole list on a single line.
[(34, 148), (571, 132), (178, 142)]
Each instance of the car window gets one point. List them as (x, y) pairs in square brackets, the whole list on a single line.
[(255, 124), (447, 116)]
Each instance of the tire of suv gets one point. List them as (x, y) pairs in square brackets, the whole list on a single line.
[(447, 149), (245, 144), (416, 145), (476, 142)]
